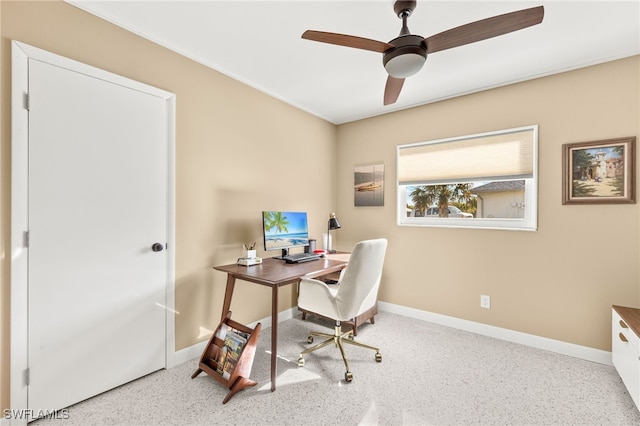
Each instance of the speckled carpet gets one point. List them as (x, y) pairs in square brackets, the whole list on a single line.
[(429, 375)]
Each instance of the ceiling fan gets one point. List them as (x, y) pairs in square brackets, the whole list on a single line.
[(405, 55)]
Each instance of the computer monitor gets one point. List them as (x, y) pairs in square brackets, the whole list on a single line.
[(284, 230)]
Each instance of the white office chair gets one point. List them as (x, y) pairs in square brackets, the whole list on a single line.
[(356, 292)]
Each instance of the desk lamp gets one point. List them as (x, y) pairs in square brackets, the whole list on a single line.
[(333, 224)]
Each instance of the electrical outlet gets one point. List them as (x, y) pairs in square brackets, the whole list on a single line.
[(485, 301)]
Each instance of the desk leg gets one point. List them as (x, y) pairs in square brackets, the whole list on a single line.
[(274, 335), (228, 293)]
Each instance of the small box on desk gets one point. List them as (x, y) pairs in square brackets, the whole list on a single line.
[(249, 261)]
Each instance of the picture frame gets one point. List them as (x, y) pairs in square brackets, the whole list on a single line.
[(368, 185), (599, 172)]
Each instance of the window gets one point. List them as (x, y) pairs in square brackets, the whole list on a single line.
[(487, 180)]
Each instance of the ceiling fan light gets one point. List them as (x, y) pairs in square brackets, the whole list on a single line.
[(405, 65)]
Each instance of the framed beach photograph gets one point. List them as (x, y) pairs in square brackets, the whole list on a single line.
[(599, 172), (368, 185)]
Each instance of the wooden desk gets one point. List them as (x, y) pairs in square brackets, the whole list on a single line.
[(275, 273)]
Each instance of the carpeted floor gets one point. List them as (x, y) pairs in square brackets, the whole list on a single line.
[(429, 375)]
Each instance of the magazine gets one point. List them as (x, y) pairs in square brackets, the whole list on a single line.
[(233, 345), (222, 353)]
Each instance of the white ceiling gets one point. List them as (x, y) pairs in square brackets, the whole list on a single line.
[(259, 43)]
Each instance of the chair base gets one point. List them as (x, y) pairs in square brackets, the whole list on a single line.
[(337, 338)]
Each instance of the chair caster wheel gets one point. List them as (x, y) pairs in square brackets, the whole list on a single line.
[(309, 339), (348, 376), (378, 357), (300, 362)]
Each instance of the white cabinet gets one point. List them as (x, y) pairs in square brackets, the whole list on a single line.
[(625, 348)]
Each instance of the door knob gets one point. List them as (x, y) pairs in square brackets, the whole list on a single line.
[(157, 247)]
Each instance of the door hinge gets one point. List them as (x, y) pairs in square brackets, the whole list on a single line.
[(27, 102), (27, 376), (26, 239)]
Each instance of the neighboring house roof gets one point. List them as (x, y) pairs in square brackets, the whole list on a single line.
[(507, 185)]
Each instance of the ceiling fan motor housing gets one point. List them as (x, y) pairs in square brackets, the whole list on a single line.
[(406, 57)]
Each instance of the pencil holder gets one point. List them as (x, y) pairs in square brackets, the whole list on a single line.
[(249, 254)]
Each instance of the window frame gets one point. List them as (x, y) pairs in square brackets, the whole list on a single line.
[(528, 223)]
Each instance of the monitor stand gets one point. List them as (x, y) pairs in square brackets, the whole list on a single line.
[(285, 252)]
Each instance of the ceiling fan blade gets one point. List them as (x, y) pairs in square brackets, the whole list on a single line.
[(484, 29), (347, 40), (392, 90)]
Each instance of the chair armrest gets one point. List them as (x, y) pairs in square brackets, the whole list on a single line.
[(316, 296)]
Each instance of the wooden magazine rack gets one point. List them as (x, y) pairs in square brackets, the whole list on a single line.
[(239, 377)]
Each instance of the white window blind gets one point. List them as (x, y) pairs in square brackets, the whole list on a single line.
[(496, 156)]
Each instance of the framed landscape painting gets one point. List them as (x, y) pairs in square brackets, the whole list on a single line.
[(599, 172)]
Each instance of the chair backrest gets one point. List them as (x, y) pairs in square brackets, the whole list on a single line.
[(359, 283)]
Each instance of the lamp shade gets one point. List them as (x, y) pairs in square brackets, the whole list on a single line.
[(333, 222)]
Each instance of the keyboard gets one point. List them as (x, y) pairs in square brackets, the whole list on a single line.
[(300, 257)]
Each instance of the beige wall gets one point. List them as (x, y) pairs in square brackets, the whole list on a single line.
[(547, 283), (235, 147)]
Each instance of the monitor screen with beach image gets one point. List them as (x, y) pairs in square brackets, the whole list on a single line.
[(284, 230)]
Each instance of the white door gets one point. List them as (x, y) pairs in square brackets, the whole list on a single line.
[(98, 202)]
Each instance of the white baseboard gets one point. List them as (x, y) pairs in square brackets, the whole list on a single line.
[(189, 353), (564, 348), (194, 351), (570, 349)]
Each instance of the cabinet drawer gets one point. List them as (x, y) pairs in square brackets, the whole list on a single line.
[(621, 330), (625, 360), (625, 355)]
